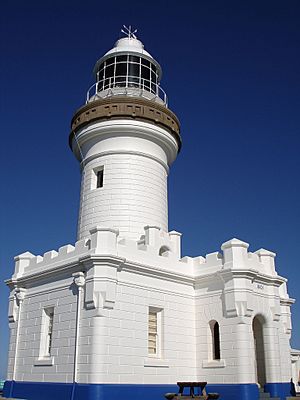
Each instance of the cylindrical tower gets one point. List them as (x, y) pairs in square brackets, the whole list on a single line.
[(125, 138)]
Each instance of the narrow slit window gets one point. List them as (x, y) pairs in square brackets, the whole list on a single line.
[(47, 332), (100, 175), (154, 332), (216, 342), (50, 332)]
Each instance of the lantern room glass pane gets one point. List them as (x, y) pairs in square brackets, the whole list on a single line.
[(133, 82), (153, 77), (153, 68), (133, 70), (100, 75), (145, 73), (101, 67), (110, 61), (145, 78), (121, 70), (121, 58), (109, 71), (134, 59), (106, 83), (145, 62)]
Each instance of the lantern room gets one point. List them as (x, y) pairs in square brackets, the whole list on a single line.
[(127, 69)]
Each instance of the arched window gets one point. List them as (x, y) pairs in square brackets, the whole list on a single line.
[(215, 336)]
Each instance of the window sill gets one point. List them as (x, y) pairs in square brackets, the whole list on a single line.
[(213, 364), (46, 361), (155, 362)]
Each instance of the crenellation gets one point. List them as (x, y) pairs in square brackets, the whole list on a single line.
[(187, 260), (51, 257), (199, 260), (214, 259), (253, 257), (64, 250), (267, 258)]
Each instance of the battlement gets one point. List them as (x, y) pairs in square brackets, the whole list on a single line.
[(28, 262), (155, 248), (234, 254)]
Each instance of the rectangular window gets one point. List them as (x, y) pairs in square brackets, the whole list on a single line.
[(154, 332), (100, 174), (97, 177), (47, 332)]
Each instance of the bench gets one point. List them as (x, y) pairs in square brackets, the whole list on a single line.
[(196, 390)]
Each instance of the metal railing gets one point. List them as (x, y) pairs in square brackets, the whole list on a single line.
[(126, 85)]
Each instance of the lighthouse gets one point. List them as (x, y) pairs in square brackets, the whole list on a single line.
[(121, 313), (125, 138)]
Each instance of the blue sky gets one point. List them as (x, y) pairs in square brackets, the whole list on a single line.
[(231, 70)]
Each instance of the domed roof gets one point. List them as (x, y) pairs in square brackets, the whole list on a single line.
[(128, 45)]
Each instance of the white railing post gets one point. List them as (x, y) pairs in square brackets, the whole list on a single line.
[(142, 84)]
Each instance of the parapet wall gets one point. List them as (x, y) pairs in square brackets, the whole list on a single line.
[(155, 248)]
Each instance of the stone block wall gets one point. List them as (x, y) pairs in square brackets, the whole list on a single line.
[(134, 194), (30, 366), (123, 280)]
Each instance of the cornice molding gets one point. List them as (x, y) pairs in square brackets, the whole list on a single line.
[(287, 302), (254, 275), (87, 261), (124, 107)]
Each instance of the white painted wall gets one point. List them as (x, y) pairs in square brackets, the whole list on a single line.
[(29, 367), (136, 157), (134, 193), (123, 278)]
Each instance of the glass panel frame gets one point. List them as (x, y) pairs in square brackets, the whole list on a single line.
[(128, 70)]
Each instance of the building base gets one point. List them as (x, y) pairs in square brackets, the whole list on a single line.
[(281, 389), (78, 391)]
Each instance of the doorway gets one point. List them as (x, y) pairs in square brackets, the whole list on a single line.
[(259, 350)]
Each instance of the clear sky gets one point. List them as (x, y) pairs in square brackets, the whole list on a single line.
[(232, 73)]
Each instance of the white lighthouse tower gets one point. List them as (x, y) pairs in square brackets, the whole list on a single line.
[(125, 138), (121, 314)]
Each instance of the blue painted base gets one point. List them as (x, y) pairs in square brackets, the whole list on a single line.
[(68, 391), (282, 389), (235, 391)]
